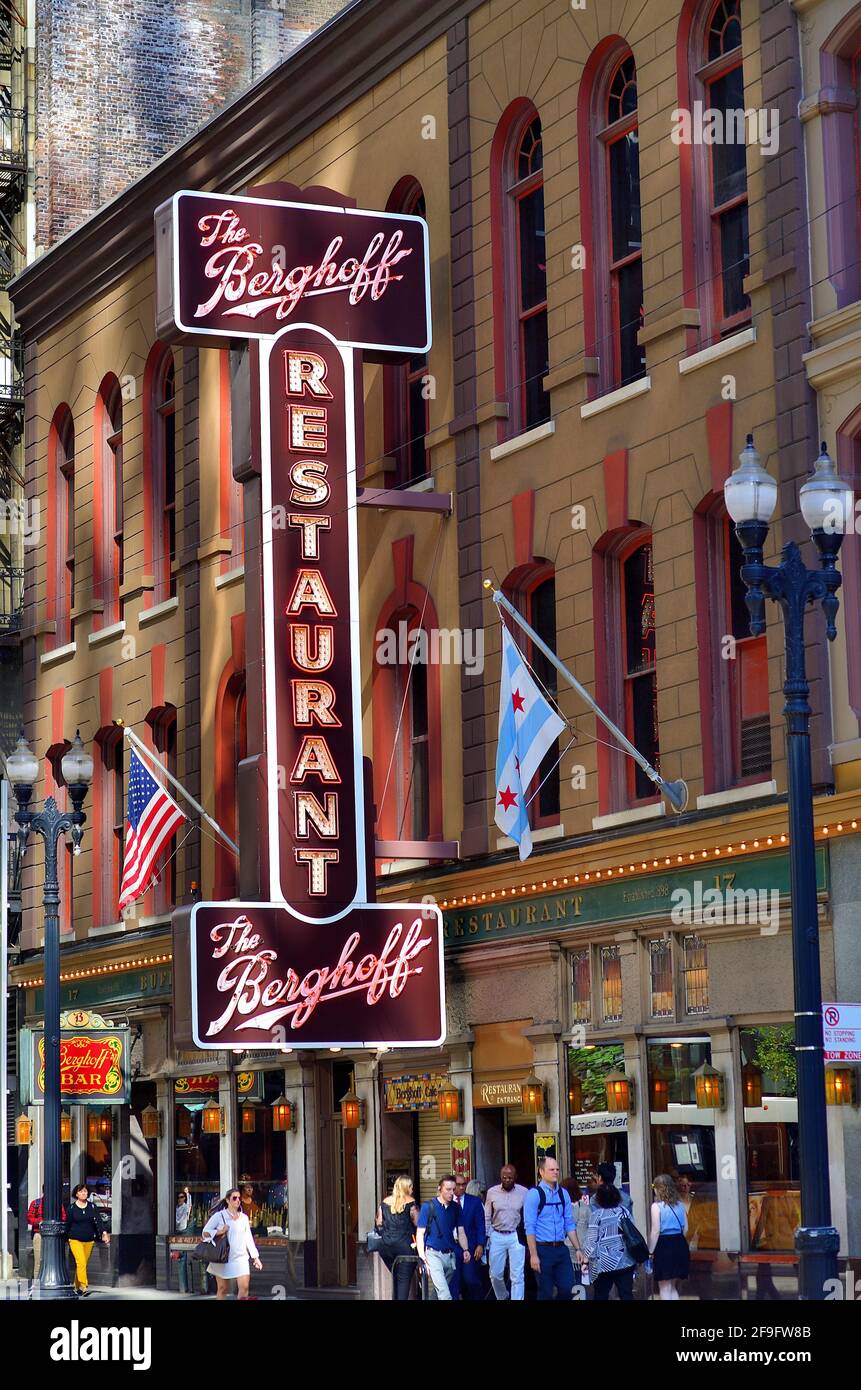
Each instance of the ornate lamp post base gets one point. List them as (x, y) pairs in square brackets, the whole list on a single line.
[(53, 1278)]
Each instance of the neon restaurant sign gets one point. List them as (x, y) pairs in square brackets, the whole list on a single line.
[(315, 284)]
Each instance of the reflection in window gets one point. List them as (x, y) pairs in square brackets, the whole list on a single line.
[(626, 244), (261, 1152), (641, 687), (771, 1142), (526, 193), (728, 211), (598, 1136), (682, 1136), (196, 1165)]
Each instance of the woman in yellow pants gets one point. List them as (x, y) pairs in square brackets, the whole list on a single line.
[(83, 1228)]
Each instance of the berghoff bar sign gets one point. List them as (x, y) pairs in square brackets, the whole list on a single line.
[(626, 899), (317, 964)]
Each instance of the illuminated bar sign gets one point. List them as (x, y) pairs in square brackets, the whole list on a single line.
[(94, 1067), (313, 282)]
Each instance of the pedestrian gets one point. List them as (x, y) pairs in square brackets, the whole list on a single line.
[(439, 1233), (467, 1281), (503, 1217), (548, 1216), (182, 1214), (580, 1203), (605, 1175), (667, 1239), (396, 1220), (229, 1216), (34, 1221), (84, 1226), (609, 1262)]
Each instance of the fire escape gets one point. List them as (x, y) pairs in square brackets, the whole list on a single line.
[(13, 196)]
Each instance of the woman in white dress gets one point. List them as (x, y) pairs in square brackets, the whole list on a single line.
[(229, 1216)]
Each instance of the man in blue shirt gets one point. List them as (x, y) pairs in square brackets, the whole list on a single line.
[(438, 1234), (549, 1223)]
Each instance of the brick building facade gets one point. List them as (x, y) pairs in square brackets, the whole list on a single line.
[(607, 330)]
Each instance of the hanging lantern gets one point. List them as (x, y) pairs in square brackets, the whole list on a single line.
[(23, 1130), (99, 1127), (249, 1118), (710, 1088), (841, 1086), (65, 1128), (183, 1122), (283, 1115), (151, 1123), (575, 1095), (532, 1096), (659, 1092), (352, 1111), (620, 1093), (751, 1082), (448, 1104), (213, 1118)]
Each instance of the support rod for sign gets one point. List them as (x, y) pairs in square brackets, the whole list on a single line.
[(5, 1258), (675, 792), (154, 763)]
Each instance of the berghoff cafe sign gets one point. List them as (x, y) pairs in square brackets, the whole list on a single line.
[(317, 964), (414, 1092)]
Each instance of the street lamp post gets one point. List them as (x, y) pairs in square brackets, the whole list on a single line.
[(751, 496), (22, 770)]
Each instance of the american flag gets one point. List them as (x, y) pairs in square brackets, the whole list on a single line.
[(152, 819)]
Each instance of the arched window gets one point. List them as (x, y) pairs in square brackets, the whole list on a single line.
[(109, 823), (161, 469), (234, 437), (714, 176), (108, 500), (520, 267), (532, 590), (608, 125), (61, 464), (733, 665), (637, 594), (407, 799), (231, 747), (407, 408)]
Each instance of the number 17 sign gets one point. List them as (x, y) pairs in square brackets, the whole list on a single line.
[(314, 283)]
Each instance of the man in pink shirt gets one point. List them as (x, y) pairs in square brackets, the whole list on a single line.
[(503, 1212)]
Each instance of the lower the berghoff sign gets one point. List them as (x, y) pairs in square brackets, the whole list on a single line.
[(260, 975)]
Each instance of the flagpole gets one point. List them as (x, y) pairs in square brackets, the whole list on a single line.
[(153, 761), (675, 792)]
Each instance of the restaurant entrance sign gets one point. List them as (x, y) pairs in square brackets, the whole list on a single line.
[(315, 283)]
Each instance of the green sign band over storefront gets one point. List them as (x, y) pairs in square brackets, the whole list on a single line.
[(713, 891)]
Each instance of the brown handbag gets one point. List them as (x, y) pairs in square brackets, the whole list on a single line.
[(215, 1252)]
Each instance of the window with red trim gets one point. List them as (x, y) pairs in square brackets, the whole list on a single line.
[(719, 248), (109, 823), (406, 395), (164, 478), (232, 736), (110, 420), (637, 593), (534, 595), (410, 775), (234, 443), (65, 854), (529, 403), (115, 762), (620, 138), (737, 701), (162, 722), (64, 558)]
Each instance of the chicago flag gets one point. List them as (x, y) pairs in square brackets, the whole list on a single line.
[(528, 727)]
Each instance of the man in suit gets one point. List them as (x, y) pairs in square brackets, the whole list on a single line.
[(468, 1282)]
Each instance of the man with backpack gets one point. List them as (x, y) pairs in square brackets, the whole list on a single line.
[(438, 1233), (550, 1221)]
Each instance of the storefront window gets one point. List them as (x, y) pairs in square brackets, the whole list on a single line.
[(771, 1136), (261, 1152), (683, 1137), (661, 976), (611, 984), (597, 1135), (196, 1165), (98, 1167), (582, 978), (696, 975)]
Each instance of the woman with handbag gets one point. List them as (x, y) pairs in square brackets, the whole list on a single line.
[(395, 1221), (668, 1237), (610, 1262), (84, 1226), (229, 1222)]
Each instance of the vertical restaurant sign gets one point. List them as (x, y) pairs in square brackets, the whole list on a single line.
[(312, 282)]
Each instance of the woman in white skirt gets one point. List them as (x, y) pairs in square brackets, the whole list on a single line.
[(229, 1216)]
